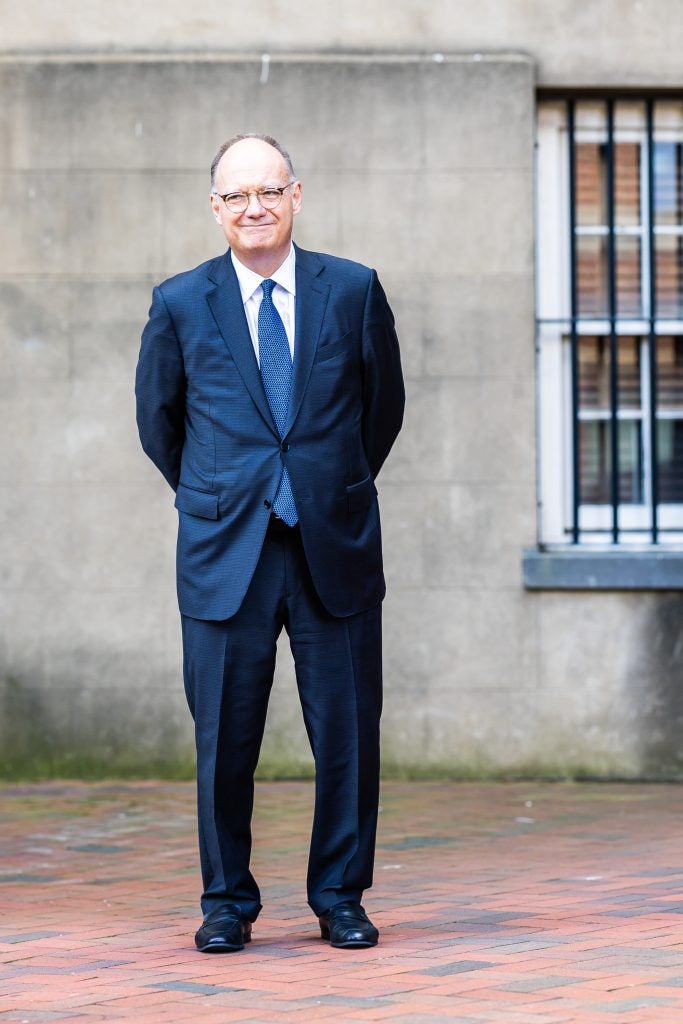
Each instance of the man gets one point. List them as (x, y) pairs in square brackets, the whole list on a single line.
[(269, 393)]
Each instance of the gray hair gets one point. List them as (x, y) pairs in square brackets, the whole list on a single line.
[(251, 135)]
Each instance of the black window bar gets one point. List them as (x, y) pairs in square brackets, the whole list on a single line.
[(652, 334), (612, 313), (574, 338)]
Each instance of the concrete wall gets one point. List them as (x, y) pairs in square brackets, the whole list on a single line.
[(573, 42), (422, 169)]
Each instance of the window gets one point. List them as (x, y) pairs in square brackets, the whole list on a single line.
[(610, 324)]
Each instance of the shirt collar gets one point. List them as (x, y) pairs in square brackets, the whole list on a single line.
[(249, 281)]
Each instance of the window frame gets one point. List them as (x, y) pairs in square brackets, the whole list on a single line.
[(581, 535)]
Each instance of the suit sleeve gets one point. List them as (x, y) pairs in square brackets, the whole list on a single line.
[(383, 389), (160, 392)]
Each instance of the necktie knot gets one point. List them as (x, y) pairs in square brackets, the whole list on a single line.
[(268, 286)]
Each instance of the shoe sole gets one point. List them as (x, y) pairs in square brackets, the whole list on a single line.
[(223, 947), (352, 945)]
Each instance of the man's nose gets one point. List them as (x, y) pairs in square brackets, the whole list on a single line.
[(253, 205)]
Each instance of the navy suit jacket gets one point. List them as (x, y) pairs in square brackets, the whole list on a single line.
[(205, 422)]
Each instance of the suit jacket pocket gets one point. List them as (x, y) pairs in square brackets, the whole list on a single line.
[(361, 495), (332, 349), (197, 503)]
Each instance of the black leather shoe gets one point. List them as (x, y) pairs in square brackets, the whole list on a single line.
[(347, 926), (224, 931)]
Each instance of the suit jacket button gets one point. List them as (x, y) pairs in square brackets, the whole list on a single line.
[(267, 503), (284, 447)]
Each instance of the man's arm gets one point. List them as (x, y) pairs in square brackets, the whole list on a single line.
[(383, 390), (160, 392)]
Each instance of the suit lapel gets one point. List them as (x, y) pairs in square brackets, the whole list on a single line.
[(225, 302), (311, 300)]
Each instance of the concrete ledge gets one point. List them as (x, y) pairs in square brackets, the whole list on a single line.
[(602, 570), (208, 56)]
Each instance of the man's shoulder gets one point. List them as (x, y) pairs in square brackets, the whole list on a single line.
[(196, 276), (338, 266)]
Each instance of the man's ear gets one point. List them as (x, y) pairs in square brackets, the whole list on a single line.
[(296, 198), (216, 207)]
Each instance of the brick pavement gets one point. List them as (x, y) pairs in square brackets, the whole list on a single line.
[(516, 903)]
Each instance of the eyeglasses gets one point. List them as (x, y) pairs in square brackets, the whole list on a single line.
[(268, 198)]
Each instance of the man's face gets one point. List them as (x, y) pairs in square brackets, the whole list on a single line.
[(255, 234)]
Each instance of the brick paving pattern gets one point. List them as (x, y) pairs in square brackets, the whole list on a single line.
[(516, 903)]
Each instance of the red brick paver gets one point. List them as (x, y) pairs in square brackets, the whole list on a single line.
[(513, 903)]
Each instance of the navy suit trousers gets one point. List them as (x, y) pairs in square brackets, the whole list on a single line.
[(228, 670)]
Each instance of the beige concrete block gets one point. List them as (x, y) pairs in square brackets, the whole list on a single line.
[(466, 430), (35, 226), (318, 225), (404, 508), (86, 223), (444, 225), (106, 318), (117, 638), (460, 235), (189, 234), (379, 234), (451, 730), (407, 297), (520, 731), (73, 431), (460, 639), (479, 326), (327, 135), (88, 536), (92, 675), (464, 325), (34, 329), (478, 114), (35, 546), (615, 661), (128, 113), (116, 223), (594, 669), (475, 534)]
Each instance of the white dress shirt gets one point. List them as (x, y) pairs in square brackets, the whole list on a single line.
[(284, 294)]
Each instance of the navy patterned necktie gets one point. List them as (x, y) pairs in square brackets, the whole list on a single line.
[(276, 373)]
